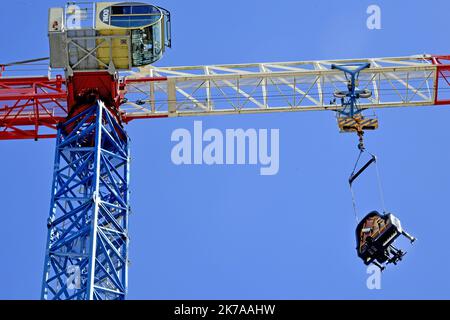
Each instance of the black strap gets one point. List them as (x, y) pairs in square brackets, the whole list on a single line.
[(353, 176)]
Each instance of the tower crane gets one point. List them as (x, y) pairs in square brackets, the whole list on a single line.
[(106, 51)]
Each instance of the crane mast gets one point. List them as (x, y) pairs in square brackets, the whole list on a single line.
[(109, 81), (87, 244)]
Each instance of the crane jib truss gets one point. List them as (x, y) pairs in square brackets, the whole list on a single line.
[(31, 107), (285, 87)]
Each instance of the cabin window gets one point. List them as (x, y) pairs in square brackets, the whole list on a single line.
[(134, 15), (134, 21)]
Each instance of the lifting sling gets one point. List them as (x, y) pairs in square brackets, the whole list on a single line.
[(356, 173)]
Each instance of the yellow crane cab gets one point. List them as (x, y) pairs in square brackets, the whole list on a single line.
[(107, 35)]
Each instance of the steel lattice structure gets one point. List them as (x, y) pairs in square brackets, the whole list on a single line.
[(33, 106), (87, 245), (421, 80)]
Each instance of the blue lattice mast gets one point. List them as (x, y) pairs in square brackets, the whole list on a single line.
[(87, 245)]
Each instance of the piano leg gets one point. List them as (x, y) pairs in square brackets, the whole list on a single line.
[(379, 265), (410, 237)]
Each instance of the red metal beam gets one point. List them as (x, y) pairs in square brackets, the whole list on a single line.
[(24, 135), (442, 81), (31, 107)]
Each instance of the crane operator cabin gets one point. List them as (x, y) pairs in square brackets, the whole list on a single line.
[(107, 36)]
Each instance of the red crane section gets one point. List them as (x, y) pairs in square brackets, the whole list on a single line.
[(31, 107), (442, 84)]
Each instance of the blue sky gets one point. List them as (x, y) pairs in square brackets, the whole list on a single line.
[(226, 232)]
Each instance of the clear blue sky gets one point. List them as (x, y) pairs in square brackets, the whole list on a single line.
[(226, 232)]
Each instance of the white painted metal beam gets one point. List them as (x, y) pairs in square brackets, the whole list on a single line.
[(276, 87)]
